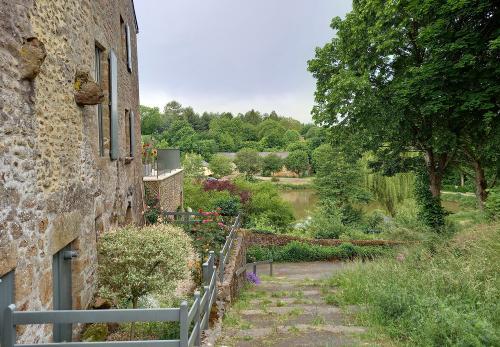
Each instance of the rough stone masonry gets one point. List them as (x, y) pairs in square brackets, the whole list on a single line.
[(58, 184)]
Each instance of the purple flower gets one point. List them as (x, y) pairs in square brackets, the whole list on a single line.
[(253, 278)]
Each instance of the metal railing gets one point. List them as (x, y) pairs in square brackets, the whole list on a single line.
[(254, 267), (197, 315), (225, 253), (166, 161)]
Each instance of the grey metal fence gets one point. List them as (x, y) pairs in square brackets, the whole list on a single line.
[(166, 161), (192, 319)]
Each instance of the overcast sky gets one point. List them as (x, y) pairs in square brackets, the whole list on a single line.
[(232, 55)]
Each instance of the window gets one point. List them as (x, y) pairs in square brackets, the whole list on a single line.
[(7, 285), (98, 79), (113, 107), (129, 48), (61, 279), (126, 48)]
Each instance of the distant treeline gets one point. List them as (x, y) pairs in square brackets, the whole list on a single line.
[(208, 133)]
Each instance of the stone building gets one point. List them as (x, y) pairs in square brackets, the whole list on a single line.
[(70, 162)]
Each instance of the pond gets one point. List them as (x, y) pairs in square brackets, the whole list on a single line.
[(303, 201)]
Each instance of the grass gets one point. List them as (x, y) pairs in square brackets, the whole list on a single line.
[(318, 320), (443, 294)]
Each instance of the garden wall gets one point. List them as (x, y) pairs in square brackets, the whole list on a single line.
[(257, 239)]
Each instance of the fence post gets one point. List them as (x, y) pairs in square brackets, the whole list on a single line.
[(197, 298), (207, 307), (222, 262), (206, 275), (211, 259), (271, 268), (255, 269), (215, 288), (8, 337), (184, 328)]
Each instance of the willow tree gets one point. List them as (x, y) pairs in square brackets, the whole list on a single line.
[(393, 76), (391, 190)]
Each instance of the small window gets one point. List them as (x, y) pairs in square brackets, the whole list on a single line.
[(98, 79), (7, 285), (129, 48)]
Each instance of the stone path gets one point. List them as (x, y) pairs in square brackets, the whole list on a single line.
[(292, 308)]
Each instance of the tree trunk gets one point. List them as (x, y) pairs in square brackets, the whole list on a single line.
[(462, 179), (435, 173), (132, 325), (481, 184)]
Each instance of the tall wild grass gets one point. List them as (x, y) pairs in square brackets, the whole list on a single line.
[(443, 293)]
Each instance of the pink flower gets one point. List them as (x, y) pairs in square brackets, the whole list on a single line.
[(205, 221), (220, 224)]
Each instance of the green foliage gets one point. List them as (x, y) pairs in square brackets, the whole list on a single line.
[(337, 178), (248, 162), (291, 136), (297, 161), (193, 165), (134, 262), (412, 76), (326, 223), (195, 197), (441, 295), (95, 332), (391, 190), (493, 204), (229, 206), (220, 166), (271, 164), (431, 212), (153, 210), (298, 251), (266, 209)]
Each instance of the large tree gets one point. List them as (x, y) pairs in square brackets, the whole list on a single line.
[(406, 75)]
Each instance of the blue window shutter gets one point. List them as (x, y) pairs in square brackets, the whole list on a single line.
[(113, 81), (132, 133), (129, 49)]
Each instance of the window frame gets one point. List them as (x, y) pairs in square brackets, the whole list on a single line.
[(98, 79)]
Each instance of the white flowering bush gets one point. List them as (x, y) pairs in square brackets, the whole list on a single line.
[(134, 262)]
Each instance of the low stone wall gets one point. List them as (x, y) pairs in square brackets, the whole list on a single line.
[(168, 188), (257, 239)]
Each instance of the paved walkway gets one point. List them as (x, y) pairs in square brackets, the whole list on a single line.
[(292, 308)]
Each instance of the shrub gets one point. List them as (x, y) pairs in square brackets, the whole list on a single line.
[(193, 165), (326, 222), (248, 162), (136, 261), (220, 166), (492, 207), (153, 210), (297, 251), (228, 206), (271, 164), (265, 208)]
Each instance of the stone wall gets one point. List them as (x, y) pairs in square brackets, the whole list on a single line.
[(264, 240), (168, 188), (55, 188)]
